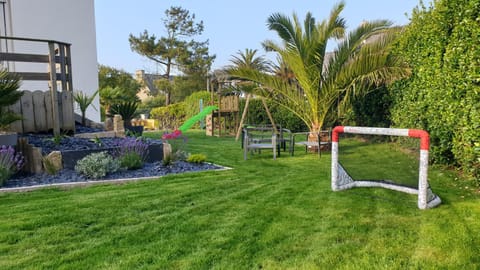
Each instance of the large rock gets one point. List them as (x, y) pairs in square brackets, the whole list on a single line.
[(53, 162)]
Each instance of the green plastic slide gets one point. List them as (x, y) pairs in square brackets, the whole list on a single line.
[(190, 122)]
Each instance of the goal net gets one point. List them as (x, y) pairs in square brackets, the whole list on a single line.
[(352, 156)]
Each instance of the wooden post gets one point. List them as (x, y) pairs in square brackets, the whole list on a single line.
[(69, 68), (269, 115), (63, 69), (244, 114), (53, 89)]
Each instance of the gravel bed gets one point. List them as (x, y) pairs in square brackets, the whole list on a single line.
[(64, 143), (48, 145), (70, 176)]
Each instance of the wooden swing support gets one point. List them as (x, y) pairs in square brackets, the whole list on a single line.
[(244, 114)]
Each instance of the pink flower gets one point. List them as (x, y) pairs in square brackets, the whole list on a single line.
[(175, 134)]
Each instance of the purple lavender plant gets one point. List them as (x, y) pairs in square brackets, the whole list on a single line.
[(10, 162), (132, 145)]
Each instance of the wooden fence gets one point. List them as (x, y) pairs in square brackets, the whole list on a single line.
[(40, 113), (37, 112)]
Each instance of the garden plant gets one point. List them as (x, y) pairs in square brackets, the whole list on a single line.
[(97, 165), (10, 162), (132, 153), (9, 85)]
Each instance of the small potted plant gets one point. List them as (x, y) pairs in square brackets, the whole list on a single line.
[(10, 95)]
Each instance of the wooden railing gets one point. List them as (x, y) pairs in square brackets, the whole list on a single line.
[(58, 57)]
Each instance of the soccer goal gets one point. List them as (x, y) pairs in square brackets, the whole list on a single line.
[(350, 158)]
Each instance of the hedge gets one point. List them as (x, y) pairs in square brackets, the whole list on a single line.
[(441, 44), (169, 117)]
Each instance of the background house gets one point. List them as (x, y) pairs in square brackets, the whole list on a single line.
[(69, 21), (148, 84)]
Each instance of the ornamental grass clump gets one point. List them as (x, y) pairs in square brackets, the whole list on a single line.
[(132, 153), (10, 162), (97, 165), (197, 158)]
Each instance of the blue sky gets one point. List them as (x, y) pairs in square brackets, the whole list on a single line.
[(230, 26)]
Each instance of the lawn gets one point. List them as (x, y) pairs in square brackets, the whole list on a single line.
[(262, 214)]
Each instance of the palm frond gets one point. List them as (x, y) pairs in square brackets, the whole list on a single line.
[(321, 81)]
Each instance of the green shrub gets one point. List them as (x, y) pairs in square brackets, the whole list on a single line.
[(371, 109), (180, 155), (5, 174), (131, 161), (128, 110), (151, 102), (97, 165), (442, 96), (197, 158), (169, 117)]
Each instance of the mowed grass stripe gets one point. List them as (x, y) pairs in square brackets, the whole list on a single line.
[(264, 213)]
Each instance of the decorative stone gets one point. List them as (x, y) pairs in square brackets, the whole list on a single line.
[(54, 159), (109, 124), (118, 123), (167, 150)]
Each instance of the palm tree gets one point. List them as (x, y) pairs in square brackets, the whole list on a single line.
[(248, 59), (360, 61), (283, 71)]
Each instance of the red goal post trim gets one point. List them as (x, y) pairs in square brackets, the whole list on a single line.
[(423, 135), (414, 133)]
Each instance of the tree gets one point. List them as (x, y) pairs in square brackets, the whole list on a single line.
[(116, 86), (248, 59), (177, 49), (325, 81)]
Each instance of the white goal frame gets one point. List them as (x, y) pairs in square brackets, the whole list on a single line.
[(341, 180)]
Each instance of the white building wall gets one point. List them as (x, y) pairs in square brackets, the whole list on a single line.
[(69, 21)]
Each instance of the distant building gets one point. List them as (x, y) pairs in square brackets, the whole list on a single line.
[(69, 21), (148, 84)]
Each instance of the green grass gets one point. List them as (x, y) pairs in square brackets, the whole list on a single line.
[(264, 213), (379, 161)]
